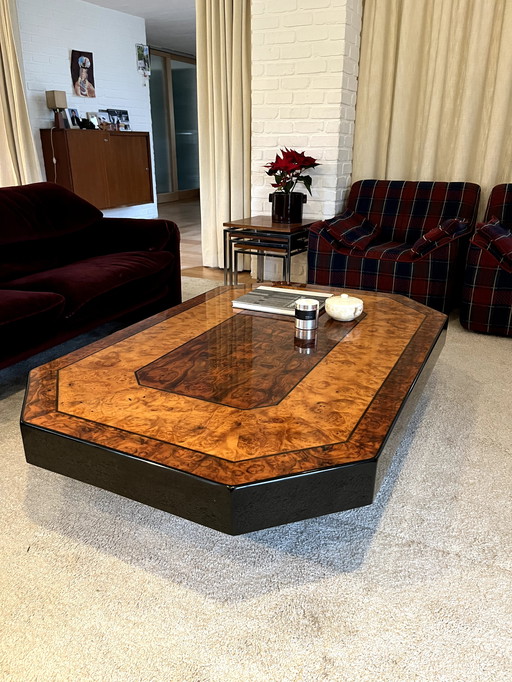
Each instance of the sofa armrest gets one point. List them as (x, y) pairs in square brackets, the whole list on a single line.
[(497, 240), (448, 231), (134, 234)]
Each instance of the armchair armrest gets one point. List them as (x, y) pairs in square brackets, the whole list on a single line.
[(135, 234), (496, 239), (438, 236)]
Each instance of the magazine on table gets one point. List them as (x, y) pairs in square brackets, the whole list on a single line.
[(276, 300)]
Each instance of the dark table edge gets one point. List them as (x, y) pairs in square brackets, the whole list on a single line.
[(230, 509)]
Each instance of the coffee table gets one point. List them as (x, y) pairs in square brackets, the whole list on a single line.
[(221, 416)]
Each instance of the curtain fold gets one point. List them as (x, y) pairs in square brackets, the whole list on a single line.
[(435, 91), (19, 163), (224, 118)]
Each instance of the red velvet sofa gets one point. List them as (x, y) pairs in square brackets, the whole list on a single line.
[(64, 268)]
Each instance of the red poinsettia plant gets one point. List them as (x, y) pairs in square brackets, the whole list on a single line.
[(287, 170)]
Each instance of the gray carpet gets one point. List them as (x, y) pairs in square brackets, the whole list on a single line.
[(415, 587)]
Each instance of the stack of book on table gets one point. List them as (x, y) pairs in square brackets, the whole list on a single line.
[(275, 300)]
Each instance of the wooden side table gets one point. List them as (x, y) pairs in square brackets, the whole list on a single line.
[(259, 236)]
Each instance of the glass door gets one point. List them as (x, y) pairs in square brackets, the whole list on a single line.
[(173, 93), (184, 95)]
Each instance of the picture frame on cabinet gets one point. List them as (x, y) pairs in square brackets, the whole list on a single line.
[(119, 118), (73, 118), (93, 117)]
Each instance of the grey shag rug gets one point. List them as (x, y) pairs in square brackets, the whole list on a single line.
[(416, 586)]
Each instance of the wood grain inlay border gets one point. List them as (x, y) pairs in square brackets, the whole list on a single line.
[(340, 411)]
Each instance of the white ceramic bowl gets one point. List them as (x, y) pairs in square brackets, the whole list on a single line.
[(343, 308)]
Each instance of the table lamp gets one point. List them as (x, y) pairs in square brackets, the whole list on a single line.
[(56, 100)]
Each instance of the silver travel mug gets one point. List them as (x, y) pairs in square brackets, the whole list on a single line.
[(306, 313)]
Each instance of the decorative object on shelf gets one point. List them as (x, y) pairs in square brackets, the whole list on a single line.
[(287, 170), (343, 308), (85, 124), (119, 118), (82, 73), (56, 100), (73, 118), (94, 118), (143, 60)]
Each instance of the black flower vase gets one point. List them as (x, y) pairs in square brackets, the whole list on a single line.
[(287, 207)]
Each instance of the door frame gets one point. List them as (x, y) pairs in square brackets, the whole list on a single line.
[(175, 195)]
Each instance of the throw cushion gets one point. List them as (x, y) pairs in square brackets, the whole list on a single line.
[(86, 280), (42, 210), (352, 230), (437, 236)]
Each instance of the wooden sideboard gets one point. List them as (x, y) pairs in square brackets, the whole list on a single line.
[(108, 169)]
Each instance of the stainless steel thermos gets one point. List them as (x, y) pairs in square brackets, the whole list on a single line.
[(306, 313)]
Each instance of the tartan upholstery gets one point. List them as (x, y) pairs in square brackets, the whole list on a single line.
[(438, 236), (409, 214), (352, 230), (486, 304), (405, 210), (497, 239)]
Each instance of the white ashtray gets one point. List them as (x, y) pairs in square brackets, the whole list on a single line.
[(343, 308)]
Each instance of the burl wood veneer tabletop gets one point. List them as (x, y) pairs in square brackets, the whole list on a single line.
[(225, 394)]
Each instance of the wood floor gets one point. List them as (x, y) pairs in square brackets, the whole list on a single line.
[(187, 216)]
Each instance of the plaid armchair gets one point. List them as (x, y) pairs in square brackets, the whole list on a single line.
[(487, 293), (396, 236)]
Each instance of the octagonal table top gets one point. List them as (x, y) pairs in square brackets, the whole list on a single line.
[(229, 395)]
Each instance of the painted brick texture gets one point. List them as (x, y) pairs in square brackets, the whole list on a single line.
[(304, 84)]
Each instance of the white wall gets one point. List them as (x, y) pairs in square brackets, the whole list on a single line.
[(49, 30), (305, 56)]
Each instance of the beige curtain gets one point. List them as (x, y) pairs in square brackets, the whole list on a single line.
[(19, 163), (435, 91), (224, 113)]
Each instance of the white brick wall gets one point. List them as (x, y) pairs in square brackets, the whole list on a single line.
[(304, 83), (49, 30)]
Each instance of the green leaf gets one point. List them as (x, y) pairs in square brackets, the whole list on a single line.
[(306, 179)]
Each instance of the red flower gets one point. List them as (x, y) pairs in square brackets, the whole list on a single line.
[(280, 164), (288, 168)]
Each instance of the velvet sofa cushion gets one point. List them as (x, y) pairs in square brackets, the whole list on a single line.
[(108, 235), (80, 283), (111, 235), (42, 210), (352, 230), (36, 307), (26, 258)]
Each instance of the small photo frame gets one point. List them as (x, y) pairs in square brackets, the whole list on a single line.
[(73, 118), (104, 120), (119, 118), (93, 117), (143, 59)]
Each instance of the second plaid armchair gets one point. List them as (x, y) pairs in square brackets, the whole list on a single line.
[(402, 237)]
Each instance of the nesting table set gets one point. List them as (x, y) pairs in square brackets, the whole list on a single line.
[(259, 236)]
